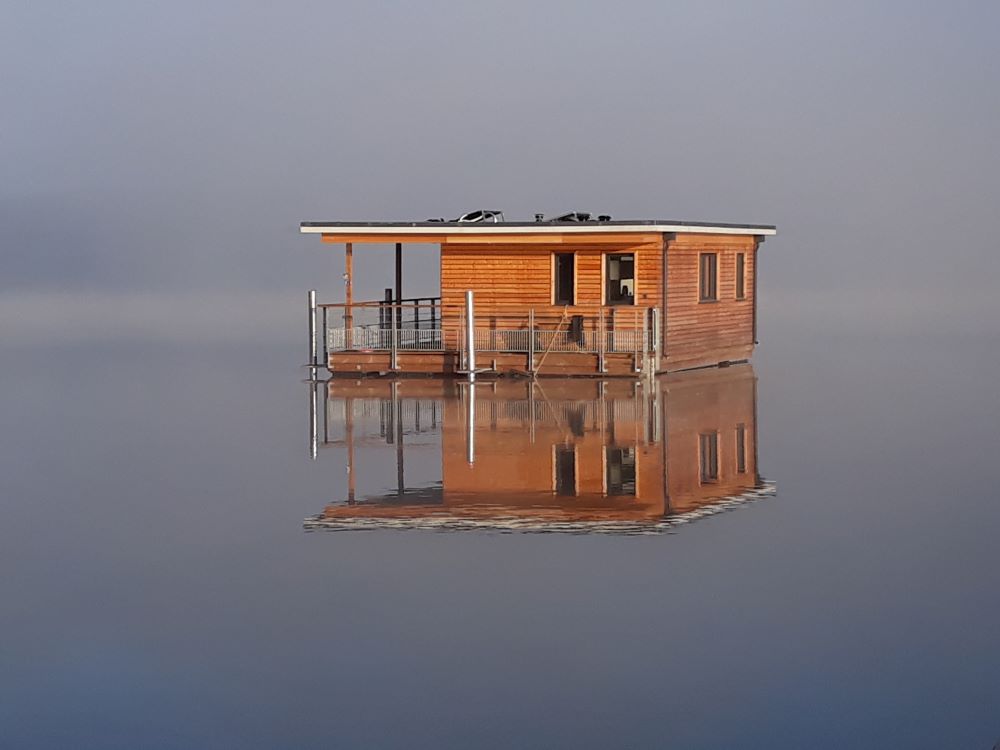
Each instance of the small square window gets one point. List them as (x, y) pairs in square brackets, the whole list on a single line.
[(708, 268)]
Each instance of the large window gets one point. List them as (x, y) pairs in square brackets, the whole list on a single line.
[(620, 471), (565, 279), (708, 450), (619, 271), (708, 277), (741, 275)]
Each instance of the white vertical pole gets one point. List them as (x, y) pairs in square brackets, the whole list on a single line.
[(313, 357), (470, 333), (470, 425)]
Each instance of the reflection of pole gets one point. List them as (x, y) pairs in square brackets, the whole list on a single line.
[(398, 411), (313, 427), (470, 331), (349, 437), (470, 423)]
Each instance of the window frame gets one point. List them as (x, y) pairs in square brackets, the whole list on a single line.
[(741, 275), (708, 461), (555, 278), (606, 280), (713, 277), (568, 450), (741, 448)]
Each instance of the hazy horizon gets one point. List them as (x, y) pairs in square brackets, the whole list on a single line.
[(172, 149)]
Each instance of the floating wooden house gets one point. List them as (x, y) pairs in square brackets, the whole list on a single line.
[(600, 298), (574, 455)]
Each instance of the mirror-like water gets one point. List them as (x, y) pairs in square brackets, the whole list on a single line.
[(168, 580)]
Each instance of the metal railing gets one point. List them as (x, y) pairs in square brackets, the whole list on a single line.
[(424, 324)]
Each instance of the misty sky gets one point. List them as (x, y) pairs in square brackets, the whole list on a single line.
[(173, 147)]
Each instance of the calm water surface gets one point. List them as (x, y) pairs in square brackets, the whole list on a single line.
[(178, 571)]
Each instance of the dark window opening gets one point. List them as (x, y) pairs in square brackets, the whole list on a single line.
[(741, 276), (619, 270), (565, 470), (708, 277), (565, 281), (741, 448), (621, 471), (709, 456)]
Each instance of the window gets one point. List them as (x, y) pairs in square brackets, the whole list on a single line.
[(708, 277), (619, 270), (620, 471), (709, 456), (741, 448), (565, 279), (565, 470), (741, 275)]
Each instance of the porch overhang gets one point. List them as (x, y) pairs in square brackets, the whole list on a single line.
[(536, 232)]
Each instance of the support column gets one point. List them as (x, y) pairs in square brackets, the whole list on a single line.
[(399, 285), (348, 295)]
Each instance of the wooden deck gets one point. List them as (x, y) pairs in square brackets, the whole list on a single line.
[(448, 363)]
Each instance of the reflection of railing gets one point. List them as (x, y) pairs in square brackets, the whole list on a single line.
[(425, 324)]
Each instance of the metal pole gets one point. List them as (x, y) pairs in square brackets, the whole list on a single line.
[(313, 356), (470, 422), (313, 427), (394, 332), (326, 338), (399, 284), (470, 333), (349, 295), (349, 439), (398, 410), (601, 340), (656, 339), (531, 341)]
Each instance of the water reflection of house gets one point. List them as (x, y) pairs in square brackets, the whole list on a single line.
[(571, 455)]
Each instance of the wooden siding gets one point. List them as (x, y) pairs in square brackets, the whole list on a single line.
[(706, 333), (521, 274)]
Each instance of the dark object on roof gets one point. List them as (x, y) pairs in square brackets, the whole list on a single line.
[(572, 216), (476, 217)]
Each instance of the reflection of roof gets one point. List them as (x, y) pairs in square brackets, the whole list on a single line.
[(506, 520)]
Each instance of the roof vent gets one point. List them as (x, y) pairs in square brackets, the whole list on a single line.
[(604, 217), (539, 217)]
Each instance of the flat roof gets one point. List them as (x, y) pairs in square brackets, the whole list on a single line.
[(531, 227)]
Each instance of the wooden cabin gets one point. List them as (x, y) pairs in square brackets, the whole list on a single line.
[(573, 451), (599, 298)]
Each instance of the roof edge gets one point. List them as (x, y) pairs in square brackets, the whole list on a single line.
[(531, 227)]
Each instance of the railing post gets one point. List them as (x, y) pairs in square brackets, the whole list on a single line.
[(656, 339), (313, 357), (645, 341), (326, 338), (470, 343), (531, 341), (601, 339), (393, 342)]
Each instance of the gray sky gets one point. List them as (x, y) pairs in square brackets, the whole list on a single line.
[(172, 147)]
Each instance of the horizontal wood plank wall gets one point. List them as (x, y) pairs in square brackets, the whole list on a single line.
[(706, 402), (521, 274), (706, 333)]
